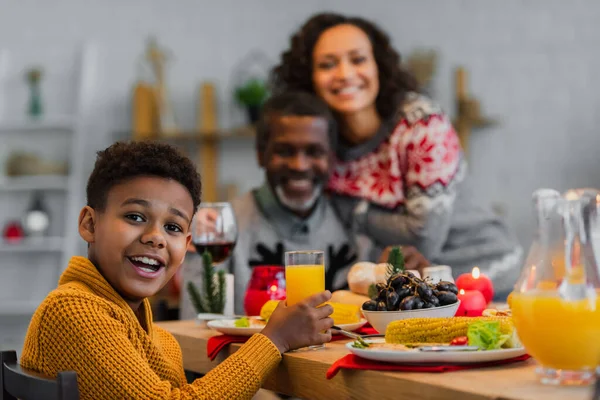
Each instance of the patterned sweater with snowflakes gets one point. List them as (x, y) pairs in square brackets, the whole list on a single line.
[(408, 185)]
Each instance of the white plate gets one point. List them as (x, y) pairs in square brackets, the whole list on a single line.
[(416, 356), (353, 327), (208, 316), (227, 327)]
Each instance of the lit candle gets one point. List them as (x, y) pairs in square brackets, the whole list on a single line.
[(472, 303), (477, 281)]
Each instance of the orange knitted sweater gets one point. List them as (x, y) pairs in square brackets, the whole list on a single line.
[(86, 326)]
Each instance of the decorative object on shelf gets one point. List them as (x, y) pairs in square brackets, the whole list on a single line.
[(22, 163), (144, 116), (152, 108), (207, 109), (250, 77), (468, 112), (213, 298), (207, 126), (158, 58), (36, 220), (35, 108), (252, 96), (422, 64), (13, 232)]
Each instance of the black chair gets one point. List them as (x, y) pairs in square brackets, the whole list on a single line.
[(19, 383), (596, 395)]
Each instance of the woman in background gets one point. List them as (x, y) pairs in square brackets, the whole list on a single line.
[(399, 177)]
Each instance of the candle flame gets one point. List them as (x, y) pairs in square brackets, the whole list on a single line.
[(461, 291), (476, 273), (273, 288)]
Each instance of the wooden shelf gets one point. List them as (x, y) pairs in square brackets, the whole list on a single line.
[(34, 182), (33, 244), (18, 307), (49, 123), (246, 132)]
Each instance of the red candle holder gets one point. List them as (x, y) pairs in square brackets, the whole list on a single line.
[(266, 283), (477, 281)]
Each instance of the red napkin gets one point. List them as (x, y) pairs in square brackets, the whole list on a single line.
[(366, 330), (217, 343), (351, 361)]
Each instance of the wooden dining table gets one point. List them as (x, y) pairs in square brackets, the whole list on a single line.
[(302, 374)]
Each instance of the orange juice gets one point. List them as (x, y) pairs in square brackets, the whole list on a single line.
[(559, 334), (303, 281)]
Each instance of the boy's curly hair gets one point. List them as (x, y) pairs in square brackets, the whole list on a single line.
[(126, 160), (296, 68)]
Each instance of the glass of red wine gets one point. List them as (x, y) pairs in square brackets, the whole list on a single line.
[(214, 229)]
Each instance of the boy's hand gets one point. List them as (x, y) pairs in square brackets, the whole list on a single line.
[(413, 259), (302, 324)]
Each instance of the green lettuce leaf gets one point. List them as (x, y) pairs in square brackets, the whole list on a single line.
[(486, 335), (242, 323)]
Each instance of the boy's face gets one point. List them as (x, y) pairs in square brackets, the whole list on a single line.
[(139, 240), (297, 159)]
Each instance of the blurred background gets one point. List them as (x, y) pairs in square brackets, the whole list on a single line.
[(74, 77)]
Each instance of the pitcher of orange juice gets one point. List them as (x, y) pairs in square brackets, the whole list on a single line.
[(556, 303)]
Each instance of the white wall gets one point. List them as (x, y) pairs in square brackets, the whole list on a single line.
[(532, 63)]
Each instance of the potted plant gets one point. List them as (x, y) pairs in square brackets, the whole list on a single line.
[(252, 95), (212, 300)]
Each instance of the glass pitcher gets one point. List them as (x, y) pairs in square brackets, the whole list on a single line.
[(555, 305)]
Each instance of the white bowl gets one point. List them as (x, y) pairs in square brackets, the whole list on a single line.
[(380, 319)]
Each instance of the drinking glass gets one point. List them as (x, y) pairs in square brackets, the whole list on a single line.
[(214, 229), (304, 277)]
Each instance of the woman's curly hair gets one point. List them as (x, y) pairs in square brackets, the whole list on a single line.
[(296, 68)]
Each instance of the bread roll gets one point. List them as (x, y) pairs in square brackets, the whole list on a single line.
[(348, 297)]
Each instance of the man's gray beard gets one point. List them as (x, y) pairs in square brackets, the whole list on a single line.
[(295, 205)]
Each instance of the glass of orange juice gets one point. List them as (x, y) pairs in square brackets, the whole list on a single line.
[(556, 302), (304, 277)]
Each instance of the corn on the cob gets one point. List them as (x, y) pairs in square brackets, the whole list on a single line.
[(438, 330), (345, 313), (342, 313)]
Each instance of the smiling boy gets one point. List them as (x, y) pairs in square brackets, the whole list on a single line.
[(98, 322)]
